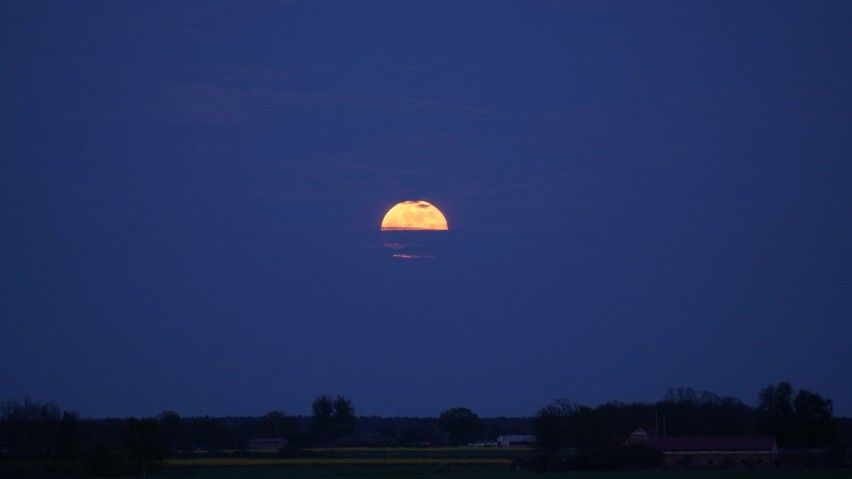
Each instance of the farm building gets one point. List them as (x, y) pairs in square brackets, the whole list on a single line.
[(266, 444), (722, 451), (709, 451), (516, 440), (640, 435)]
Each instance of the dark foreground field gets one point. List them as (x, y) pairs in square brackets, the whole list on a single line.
[(473, 471)]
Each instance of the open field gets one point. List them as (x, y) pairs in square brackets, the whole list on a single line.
[(472, 472), (457, 462), (330, 461), (367, 456)]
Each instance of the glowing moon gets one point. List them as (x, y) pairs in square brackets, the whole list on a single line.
[(414, 215)]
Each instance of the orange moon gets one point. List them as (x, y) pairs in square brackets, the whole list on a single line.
[(414, 215)]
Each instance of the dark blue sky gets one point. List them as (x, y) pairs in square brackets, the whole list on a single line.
[(641, 195)]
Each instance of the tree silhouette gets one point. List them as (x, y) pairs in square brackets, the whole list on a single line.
[(775, 408), (171, 430), (803, 420), (343, 419), (552, 427), (31, 430), (332, 419), (461, 425), (145, 453), (815, 423)]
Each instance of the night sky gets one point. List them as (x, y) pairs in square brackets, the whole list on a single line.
[(640, 195)]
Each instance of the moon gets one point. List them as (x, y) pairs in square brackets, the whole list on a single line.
[(413, 216)]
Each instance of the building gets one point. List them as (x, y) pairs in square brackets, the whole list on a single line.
[(640, 435), (718, 451), (266, 444), (516, 440), (709, 451)]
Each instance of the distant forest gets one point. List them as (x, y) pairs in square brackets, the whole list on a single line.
[(41, 439)]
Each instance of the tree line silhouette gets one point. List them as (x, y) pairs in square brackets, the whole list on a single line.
[(39, 439), (799, 420)]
